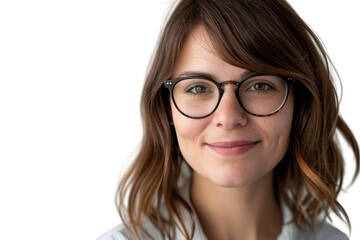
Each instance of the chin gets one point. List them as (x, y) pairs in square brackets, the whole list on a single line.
[(234, 178), (232, 181)]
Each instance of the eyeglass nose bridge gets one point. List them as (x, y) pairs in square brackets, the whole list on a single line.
[(228, 83)]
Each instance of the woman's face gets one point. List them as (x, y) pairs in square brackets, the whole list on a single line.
[(230, 147)]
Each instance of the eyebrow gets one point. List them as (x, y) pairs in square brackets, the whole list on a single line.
[(211, 76)]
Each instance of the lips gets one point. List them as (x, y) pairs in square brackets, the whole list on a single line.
[(232, 148)]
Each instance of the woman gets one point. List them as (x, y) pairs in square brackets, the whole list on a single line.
[(240, 114)]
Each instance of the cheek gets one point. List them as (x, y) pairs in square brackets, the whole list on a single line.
[(277, 128), (286, 118), (189, 131)]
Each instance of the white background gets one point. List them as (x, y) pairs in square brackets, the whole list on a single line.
[(71, 74)]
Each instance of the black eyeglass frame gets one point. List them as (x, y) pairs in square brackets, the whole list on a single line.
[(171, 83)]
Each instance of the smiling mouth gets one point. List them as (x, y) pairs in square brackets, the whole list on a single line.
[(232, 148)]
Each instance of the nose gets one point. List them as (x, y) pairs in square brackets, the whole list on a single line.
[(229, 114)]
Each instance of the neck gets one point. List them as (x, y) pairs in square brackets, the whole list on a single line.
[(247, 212)]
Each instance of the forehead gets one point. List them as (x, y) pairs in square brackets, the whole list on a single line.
[(198, 54)]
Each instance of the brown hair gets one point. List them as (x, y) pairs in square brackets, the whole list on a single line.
[(265, 36)]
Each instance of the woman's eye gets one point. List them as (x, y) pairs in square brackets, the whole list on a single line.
[(198, 89), (260, 87)]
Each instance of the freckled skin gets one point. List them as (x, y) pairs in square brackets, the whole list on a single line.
[(228, 123)]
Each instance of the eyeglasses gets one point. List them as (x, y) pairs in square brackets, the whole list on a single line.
[(258, 94)]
